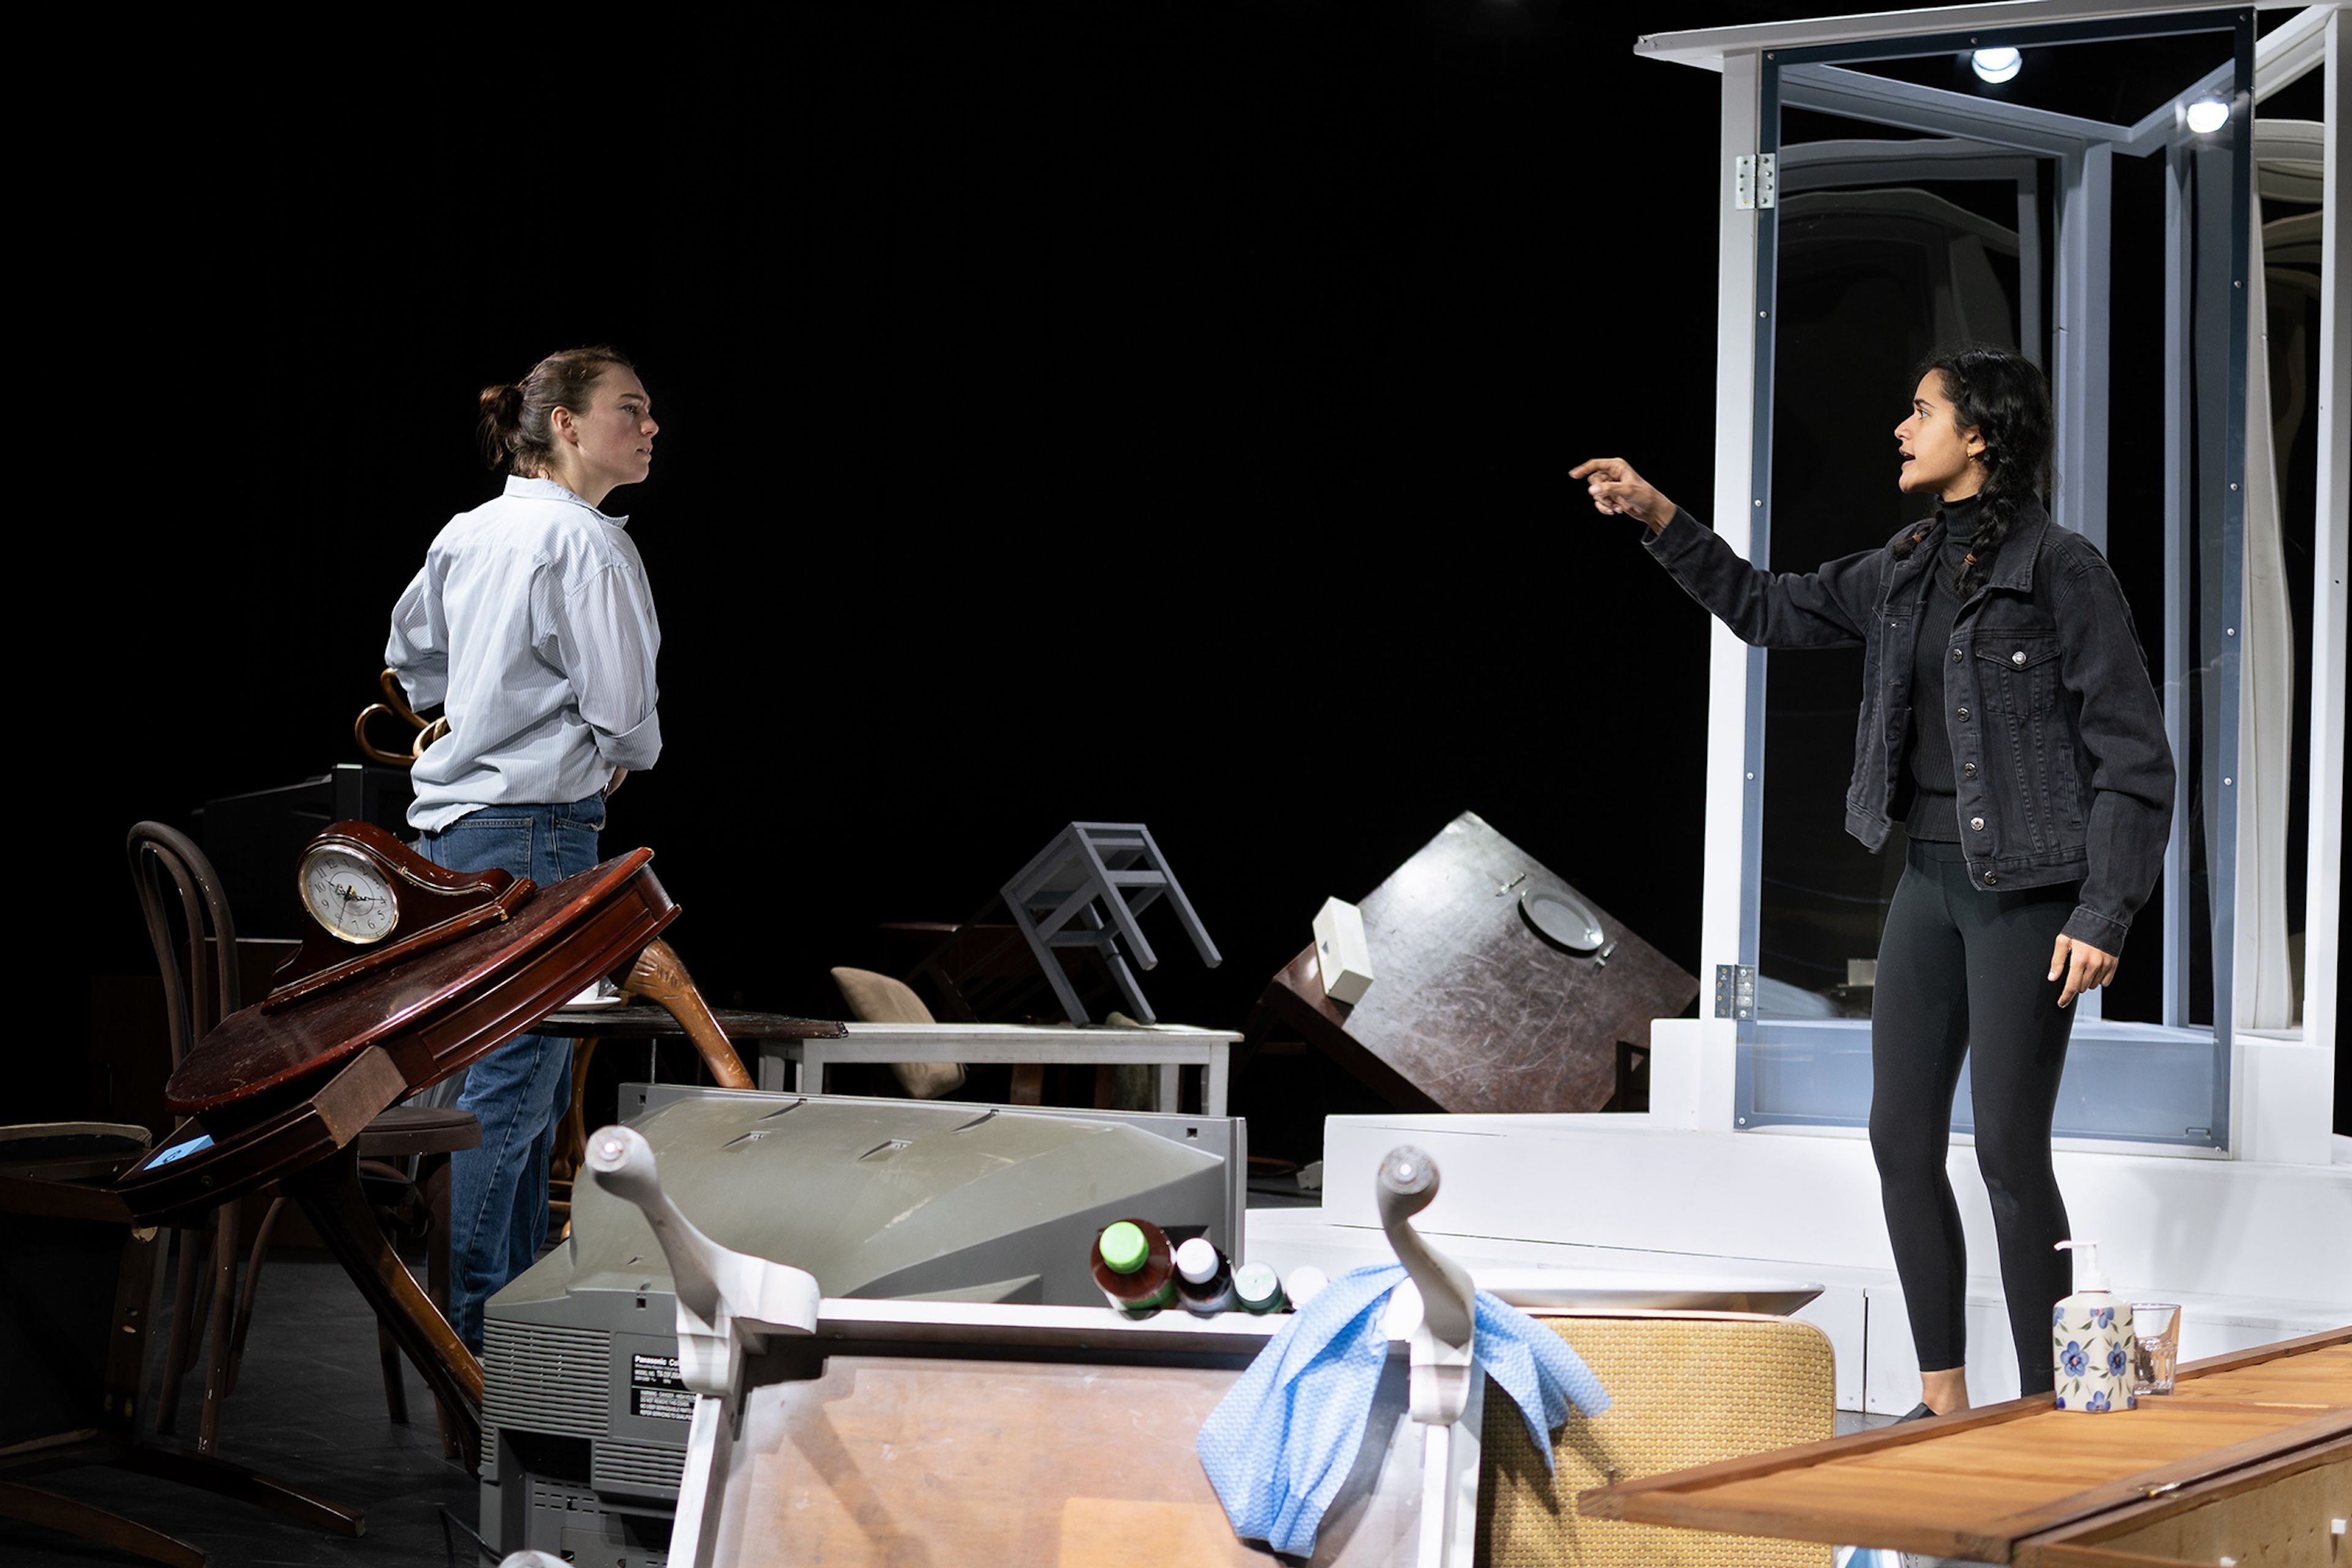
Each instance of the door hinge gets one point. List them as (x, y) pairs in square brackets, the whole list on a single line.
[(1755, 180), (1735, 991)]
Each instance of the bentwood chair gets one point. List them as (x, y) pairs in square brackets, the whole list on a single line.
[(407, 1145)]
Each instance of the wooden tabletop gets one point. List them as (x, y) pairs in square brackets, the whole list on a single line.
[(1976, 1484), (492, 980)]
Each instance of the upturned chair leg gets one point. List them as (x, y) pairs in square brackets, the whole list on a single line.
[(254, 1254), (432, 1184), (187, 1326), (223, 1334)]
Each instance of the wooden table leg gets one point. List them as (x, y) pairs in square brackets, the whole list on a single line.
[(660, 976), (329, 1194)]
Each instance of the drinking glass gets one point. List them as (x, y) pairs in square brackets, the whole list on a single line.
[(2157, 1326)]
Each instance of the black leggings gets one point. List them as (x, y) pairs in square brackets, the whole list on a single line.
[(1961, 966)]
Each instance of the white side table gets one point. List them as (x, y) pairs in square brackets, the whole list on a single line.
[(1167, 1047)]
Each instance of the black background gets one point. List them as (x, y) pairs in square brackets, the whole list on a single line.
[(1111, 412)]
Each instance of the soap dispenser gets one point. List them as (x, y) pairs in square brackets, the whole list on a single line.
[(2091, 1340)]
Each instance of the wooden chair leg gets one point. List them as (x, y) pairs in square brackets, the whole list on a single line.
[(254, 1257), (1029, 1084), (92, 1523), (432, 1184), (227, 1228), (395, 1387), (187, 1325), (236, 1482)]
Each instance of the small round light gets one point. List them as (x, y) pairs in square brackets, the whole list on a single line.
[(2208, 115), (1996, 64)]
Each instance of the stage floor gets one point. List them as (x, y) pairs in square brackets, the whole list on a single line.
[(308, 1409)]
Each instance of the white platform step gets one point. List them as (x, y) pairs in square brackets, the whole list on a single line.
[(2254, 1252)]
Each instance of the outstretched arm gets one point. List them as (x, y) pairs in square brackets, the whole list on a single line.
[(1617, 491), (1830, 607)]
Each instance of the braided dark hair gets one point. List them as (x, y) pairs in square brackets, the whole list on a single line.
[(2004, 397)]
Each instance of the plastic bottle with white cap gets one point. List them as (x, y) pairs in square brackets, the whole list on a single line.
[(1303, 1284), (1204, 1278)]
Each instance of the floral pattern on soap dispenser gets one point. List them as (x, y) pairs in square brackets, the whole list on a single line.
[(2092, 1351)]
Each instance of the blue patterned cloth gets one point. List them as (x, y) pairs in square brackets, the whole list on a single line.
[(1867, 1557), (1279, 1443)]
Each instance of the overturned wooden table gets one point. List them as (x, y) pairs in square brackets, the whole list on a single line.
[(2250, 1457), (280, 1091), (1470, 1008)]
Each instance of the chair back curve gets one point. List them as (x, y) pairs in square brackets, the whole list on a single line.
[(199, 990)]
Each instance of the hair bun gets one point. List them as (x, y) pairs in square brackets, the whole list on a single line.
[(501, 418), (514, 430)]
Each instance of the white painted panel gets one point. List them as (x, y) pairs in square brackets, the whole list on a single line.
[(2238, 1228)]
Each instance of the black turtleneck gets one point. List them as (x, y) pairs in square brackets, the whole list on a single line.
[(1933, 808)]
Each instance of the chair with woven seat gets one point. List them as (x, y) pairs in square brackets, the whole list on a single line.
[(200, 988)]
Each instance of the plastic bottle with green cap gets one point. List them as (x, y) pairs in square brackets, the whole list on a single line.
[(1135, 1266)]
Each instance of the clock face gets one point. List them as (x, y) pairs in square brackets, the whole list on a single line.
[(348, 893)]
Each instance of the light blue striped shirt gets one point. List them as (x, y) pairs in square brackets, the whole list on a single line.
[(532, 625)]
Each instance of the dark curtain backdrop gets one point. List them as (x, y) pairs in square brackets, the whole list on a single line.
[(1069, 412)]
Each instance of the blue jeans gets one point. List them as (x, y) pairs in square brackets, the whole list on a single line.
[(520, 1092)]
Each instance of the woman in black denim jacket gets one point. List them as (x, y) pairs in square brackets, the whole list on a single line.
[(2008, 723)]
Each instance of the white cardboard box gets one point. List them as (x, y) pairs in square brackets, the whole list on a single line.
[(1341, 954)]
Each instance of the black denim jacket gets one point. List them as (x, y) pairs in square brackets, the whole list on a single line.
[(2058, 743)]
